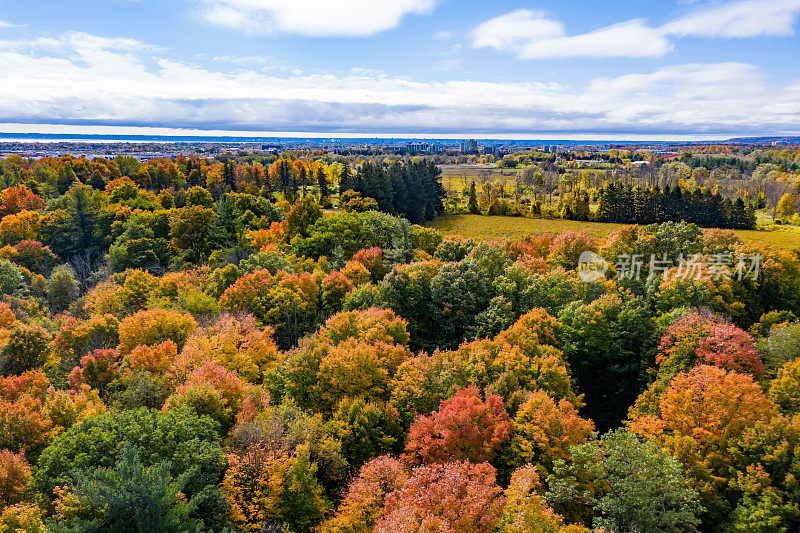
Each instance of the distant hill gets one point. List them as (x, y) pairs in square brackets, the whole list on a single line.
[(765, 140)]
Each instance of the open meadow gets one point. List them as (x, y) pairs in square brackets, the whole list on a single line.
[(493, 227)]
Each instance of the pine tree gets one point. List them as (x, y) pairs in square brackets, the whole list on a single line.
[(346, 179), (322, 183), (302, 180), (229, 174), (472, 204)]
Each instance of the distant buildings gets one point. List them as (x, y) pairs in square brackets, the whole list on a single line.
[(469, 146), (419, 146), (271, 148)]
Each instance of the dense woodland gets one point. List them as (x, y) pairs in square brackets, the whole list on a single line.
[(634, 187), (203, 345)]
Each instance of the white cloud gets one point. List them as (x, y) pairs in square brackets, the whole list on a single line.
[(629, 39), (750, 18), (313, 18), (82, 79), (443, 35), (512, 31), (533, 35)]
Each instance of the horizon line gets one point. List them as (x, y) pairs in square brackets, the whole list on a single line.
[(19, 129)]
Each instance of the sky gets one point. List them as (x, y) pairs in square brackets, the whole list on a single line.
[(601, 69)]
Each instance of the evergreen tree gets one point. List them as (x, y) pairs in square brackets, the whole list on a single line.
[(229, 174), (322, 183), (472, 203), (346, 181)]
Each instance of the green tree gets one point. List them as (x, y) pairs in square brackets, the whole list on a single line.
[(472, 203), (179, 437), (27, 349), (366, 430), (199, 196), (62, 288), (11, 280), (627, 485), (322, 183), (132, 497), (304, 497), (190, 229)]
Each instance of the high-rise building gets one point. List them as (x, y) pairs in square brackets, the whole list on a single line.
[(469, 146)]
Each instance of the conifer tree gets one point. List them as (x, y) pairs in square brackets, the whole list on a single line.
[(322, 183), (472, 204)]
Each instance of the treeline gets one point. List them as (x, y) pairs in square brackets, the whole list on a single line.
[(413, 190), (648, 206)]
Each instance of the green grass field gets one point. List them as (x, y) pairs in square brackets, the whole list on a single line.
[(486, 227)]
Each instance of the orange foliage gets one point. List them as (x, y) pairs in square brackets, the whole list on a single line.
[(156, 359), (20, 198), (464, 428), (544, 431), (362, 506), (153, 326), (15, 474), (454, 497), (32, 412), (236, 343)]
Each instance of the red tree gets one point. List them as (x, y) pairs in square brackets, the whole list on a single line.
[(464, 428), (453, 497), (15, 474)]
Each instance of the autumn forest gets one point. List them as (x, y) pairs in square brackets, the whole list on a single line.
[(253, 343)]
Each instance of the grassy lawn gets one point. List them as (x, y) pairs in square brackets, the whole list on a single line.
[(485, 227)]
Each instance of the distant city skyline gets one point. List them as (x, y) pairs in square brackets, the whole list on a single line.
[(605, 70)]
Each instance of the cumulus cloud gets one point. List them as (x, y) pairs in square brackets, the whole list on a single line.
[(312, 18), (534, 35), (82, 79)]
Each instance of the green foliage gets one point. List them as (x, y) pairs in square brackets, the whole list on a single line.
[(268, 260), (472, 203), (199, 196), (190, 229), (618, 337), (626, 485), (27, 349), (11, 279), (62, 288), (647, 206), (178, 438), (132, 497), (366, 430)]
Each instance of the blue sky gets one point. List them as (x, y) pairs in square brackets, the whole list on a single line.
[(537, 69)]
